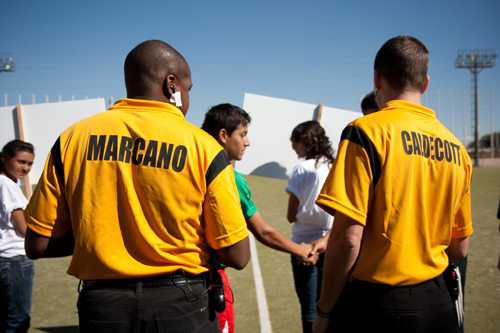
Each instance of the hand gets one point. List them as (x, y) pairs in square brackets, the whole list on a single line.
[(319, 245), (320, 324), (306, 257)]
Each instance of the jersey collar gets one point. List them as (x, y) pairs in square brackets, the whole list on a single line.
[(399, 104), (145, 105)]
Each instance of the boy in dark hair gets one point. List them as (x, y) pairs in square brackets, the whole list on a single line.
[(369, 104), (400, 193), (228, 124)]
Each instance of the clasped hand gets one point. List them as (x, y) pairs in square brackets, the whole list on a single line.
[(311, 251)]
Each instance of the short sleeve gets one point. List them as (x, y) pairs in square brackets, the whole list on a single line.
[(295, 181), (348, 187), (47, 213), (462, 226), (247, 206), (12, 199), (223, 220)]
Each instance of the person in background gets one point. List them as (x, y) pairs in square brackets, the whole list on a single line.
[(228, 124), (17, 270), (369, 104), (400, 193), (310, 223), (142, 199)]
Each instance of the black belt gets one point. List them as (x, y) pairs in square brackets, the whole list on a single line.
[(364, 284), (174, 279)]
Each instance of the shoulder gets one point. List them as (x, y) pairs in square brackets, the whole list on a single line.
[(240, 180), (302, 172), (6, 184), (238, 175), (305, 166), (11, 194)]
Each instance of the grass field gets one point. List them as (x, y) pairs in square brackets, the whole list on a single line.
[(55, 293)]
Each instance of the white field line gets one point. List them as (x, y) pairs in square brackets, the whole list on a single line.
[(265, 322)]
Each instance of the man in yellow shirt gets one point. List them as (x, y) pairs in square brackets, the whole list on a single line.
[(400, 192), (147, 199)]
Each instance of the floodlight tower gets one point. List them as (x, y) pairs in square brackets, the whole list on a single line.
[(6, 63), (475, 61)]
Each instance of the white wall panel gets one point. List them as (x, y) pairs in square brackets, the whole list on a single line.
[(270, 153)]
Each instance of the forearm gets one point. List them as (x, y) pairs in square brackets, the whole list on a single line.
[(273, 239), (458, 248), (341, 255), (18, 222), (38, 246), (235, 256), (293, 204), (270, 237)]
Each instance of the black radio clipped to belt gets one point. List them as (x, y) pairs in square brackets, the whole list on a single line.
[(452, 281), (217, 298)]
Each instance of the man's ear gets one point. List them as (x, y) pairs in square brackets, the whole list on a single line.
[(222, 136), (426, 83), (166, 87)]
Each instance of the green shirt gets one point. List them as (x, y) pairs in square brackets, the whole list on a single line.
[(247, 205)]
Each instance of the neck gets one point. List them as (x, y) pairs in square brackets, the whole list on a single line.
[(408, 96), (145, 97), (6, 175)]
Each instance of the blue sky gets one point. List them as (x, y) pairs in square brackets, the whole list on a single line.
[(307, 51)]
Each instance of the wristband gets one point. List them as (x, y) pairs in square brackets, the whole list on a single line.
[(323, 314)]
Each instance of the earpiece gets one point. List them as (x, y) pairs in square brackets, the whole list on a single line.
[(175, 98)]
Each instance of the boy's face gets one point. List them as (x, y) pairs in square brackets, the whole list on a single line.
[(236, 144)]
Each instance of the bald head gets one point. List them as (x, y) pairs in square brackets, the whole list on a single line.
[(148, 68)]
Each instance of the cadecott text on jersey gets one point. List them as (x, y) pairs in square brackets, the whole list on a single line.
[(430, 147)]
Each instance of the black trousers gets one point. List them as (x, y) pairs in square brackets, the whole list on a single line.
[(142, 308), (369, 307)]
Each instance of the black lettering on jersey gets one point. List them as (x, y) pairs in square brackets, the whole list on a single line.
[(112, 148), (456, 155), (430, 147), (447, 151), (57, 160), (416, 144), (439, 149), (138, 151), (219, 163), (150, 156), (96, 148), (126, 146), (139, 143), (426, 146), (165, 155), (407, 148), (179, 158), (357, 136)]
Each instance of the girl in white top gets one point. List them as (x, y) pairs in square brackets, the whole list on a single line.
[(311, 223), (16, 280)]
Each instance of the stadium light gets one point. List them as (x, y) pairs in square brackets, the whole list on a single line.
[(6, 63), (475, 61)]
